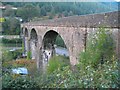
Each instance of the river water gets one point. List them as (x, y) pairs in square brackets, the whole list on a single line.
[(61, 51), (58, 50)]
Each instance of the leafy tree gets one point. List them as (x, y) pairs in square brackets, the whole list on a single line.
[(43, 11), (65, 13), (11, 26), (28, 12), (9, 12)]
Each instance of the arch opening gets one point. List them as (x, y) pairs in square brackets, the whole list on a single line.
[(33, 43), (52, 48)]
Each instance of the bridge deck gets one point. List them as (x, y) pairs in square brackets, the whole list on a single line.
[(109, 19)]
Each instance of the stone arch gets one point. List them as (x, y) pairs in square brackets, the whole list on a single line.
[(48, 42), (33, 43)]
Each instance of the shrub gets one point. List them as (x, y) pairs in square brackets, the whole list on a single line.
[(99, 49), (56, 62), (18, 83), (10, 55)]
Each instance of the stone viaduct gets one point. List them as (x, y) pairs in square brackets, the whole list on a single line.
[(74, 30)]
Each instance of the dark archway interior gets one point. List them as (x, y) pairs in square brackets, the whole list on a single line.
[(33, 35), (26, 32), (49, 39)]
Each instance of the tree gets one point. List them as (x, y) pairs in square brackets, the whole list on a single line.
[(9, 12), (11, 26), (28, 12), (43, 11), (70, 13), (65, 13)]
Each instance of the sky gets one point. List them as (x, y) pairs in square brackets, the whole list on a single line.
[(117, 0)]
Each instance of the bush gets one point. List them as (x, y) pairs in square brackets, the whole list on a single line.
[(99, 49), (19, 83), (56, 62), (10, 55)]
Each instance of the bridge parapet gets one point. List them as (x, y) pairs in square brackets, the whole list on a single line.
[(109, 19)]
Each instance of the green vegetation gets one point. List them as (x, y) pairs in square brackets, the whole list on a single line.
[(10, 55), (27, 12), (28, 55), (57, 62), (11, 26), (11, 41), (2, 20), (18, 83), (59, 41), (100, 49)]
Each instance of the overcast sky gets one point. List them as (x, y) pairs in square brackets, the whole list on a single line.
[(117, 0)]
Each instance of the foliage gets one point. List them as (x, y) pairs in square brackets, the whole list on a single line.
[(27, 12), (11, 26), (106, 76), (18, 83), (59, 41), (100, 48), (2, 20), (28, 55), (56, 62), (9, 56), (52, 9), (9, 12), (7, 41)]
